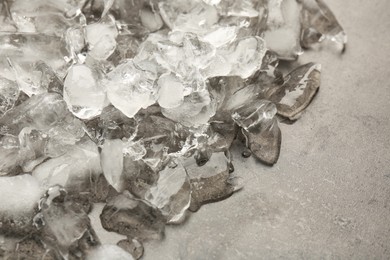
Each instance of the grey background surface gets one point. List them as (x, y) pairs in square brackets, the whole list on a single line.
[(328, 197)]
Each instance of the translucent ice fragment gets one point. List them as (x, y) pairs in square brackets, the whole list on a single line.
[(111, 158), (9, 93), (170, 93), (283, 28), (48, 17), (298, 90), (82, 92), (319, 23), (30, 114), (196, 110), (243, 57), (244, 8), (129, 89), (72, 170), (133, 217), (64, 227), (132, 246), (220, 35), (210, 182), (172, 192), (109, 252), (21, 54), (19, 199), (101, 38), (250, 115), (265, 144)]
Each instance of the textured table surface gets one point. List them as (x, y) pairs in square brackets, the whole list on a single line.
[(329, 194)]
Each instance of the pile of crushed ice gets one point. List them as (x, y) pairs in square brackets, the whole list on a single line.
[(135, 104)]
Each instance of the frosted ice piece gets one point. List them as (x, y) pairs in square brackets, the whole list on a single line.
[(196, 109), (63, 226), (197, 20), (243, 57), (22, 50), (319, 23), (210, 182), (111, 158), (82, 92), (265, 144), (283, 28), (101, 38), (19, 200), (244, 8), (253, 114), (133, 217), (130, 89), (132, 246), (9, 93), (170, 92), (29, 114), (172, 192), (298, 90), (220, 35), (151, 19), (72, 170), (48, 17)]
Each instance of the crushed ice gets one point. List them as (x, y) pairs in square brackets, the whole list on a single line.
[(130, 107)]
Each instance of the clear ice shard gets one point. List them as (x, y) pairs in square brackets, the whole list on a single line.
[(283, 28), (30, 114), (109, 252), (63, 226), (172, 192), (72, 170), (298, 90), (319, 23), (48, 17), (129, 89), (132, 246), (82, 92), (19, 200), (210, 182), (133, 217), (9, 93), (171, 91), (112, 162)]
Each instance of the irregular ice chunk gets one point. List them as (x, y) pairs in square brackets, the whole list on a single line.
[(9, 93), (19, 200), (170, 93), (109, 252), (48, 17), (283, 28), (40, 112), (172, 192), (82, 92), (130, 89), (72, 170), (112, 162), (133, 217), (63, 225), (319, 23), (298, 90), (101, 39), (210, 182), (196, 109), (265, 144)]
